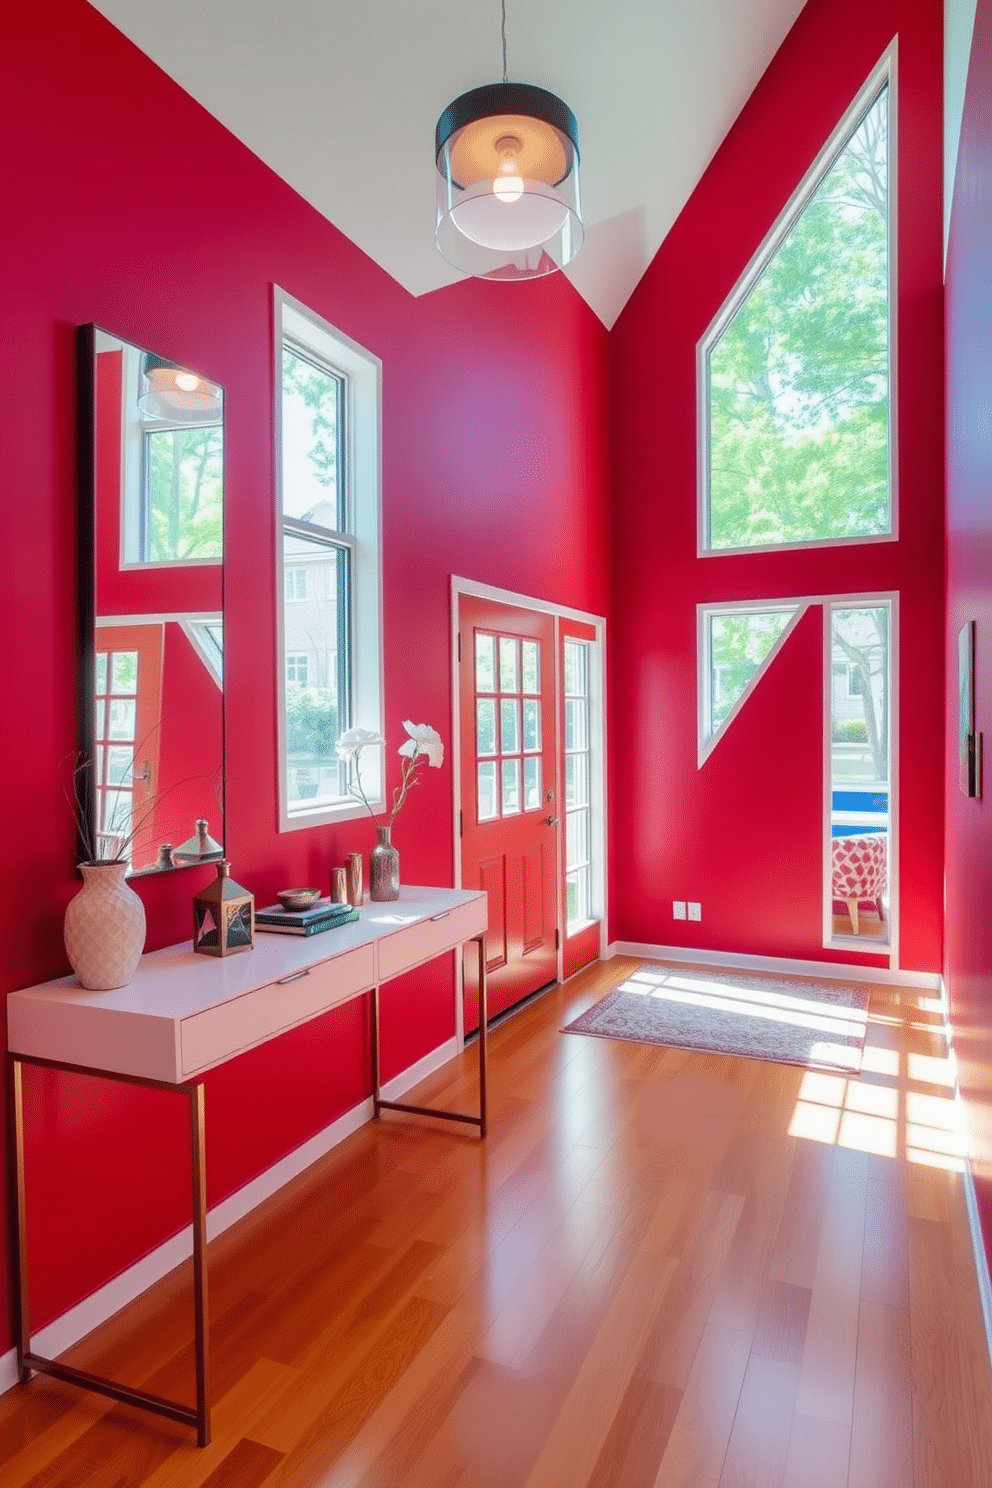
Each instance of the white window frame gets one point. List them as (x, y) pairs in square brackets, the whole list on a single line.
[(707, 738), (887, 949), (884, 75), (361, 372)]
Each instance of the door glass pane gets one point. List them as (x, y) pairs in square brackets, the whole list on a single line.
[(576, 668), (576, 780), (577, 898), (509, 665), (101, 671), (122, 719), (532, 782), (485, 726), (509, 725), (125, 668), (576, 839), (119, 763), (511, 787), (485, 663), (575, 723), (531, 666), (532, 724), (488, 807)]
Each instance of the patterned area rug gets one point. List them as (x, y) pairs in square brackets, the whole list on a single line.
[(793, 1022)]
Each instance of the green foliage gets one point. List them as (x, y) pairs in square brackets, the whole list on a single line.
[(185, 476), (320, 392), (740, 643), (850, 731), (311, 723), (799, 397)]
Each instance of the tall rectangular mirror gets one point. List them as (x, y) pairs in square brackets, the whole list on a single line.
[(150, 782)]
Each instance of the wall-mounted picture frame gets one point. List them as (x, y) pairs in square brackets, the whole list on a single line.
[(969, 740)]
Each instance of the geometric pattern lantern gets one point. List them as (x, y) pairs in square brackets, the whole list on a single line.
[(508, 181), (223, 916)]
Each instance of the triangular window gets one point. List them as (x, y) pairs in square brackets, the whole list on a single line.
[(795, 372), (737, 645)]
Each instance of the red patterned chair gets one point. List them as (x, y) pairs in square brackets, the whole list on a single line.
[(860, 872)]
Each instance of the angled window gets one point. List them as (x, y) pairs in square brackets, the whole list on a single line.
[(736, 643), (796, 392), (329, 628)]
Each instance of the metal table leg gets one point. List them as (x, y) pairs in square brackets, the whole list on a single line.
[(378, 1104), (29, 1362)]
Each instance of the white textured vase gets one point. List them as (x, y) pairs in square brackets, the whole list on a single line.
[(104, 928)]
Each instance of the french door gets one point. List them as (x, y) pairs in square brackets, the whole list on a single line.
[(510, 821), (128, 706)]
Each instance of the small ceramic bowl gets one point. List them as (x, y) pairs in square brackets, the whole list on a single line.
[(298, 898)]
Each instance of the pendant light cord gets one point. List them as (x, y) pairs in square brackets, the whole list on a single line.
[(503, 5)]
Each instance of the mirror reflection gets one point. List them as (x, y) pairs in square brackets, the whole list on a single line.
[(154, 741)]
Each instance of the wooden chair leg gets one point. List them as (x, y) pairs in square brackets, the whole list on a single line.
[(852, 909), (881, 910)]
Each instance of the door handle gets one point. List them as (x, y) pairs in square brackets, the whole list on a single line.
[(552, 821)]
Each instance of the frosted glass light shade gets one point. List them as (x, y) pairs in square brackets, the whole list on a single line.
[(175, 395), (508, 182)]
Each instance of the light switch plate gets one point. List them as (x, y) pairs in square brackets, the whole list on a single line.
[(695, 910), (678, 909)]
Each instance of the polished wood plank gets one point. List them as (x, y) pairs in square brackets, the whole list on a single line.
[(663, 1269)]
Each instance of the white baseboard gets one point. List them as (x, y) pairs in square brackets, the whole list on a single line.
[(981, 1259), (929, 981), (71, 1326)]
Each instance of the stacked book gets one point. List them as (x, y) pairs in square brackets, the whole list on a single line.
[(323, 915)]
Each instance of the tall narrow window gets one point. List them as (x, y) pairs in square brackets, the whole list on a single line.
[(329, 468), (578, 800), (796, 399), (860, 715)]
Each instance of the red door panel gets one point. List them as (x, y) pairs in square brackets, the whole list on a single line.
[(510, 834)]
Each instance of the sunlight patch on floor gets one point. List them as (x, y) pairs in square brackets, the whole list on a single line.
[(751, 1001), (875, 1112)]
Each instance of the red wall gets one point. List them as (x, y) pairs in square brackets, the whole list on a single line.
[(495, 468), (968, 966), (744, 834)]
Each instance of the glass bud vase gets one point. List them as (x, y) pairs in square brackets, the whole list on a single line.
[(384, 869)]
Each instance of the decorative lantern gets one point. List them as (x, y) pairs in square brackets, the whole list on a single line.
[(223, 916)]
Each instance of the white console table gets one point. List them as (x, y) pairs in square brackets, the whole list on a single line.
[(182, 1015)]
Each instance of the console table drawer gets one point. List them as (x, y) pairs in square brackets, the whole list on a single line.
[(219, 1032), (428, 938)]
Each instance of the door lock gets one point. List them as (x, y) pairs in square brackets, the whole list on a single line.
[(552, 821)]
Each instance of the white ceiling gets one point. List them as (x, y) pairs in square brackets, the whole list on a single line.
[(340, 98)]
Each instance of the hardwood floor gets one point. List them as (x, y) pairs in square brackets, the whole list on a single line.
[(662, 1269)]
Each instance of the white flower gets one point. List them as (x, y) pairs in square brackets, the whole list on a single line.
[(423, 740), (354, 740)]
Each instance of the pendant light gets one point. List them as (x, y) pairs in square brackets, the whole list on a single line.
[(508, 181), (176, 395)]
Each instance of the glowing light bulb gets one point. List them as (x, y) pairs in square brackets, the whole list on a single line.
[(187, 382), (509, 184)]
